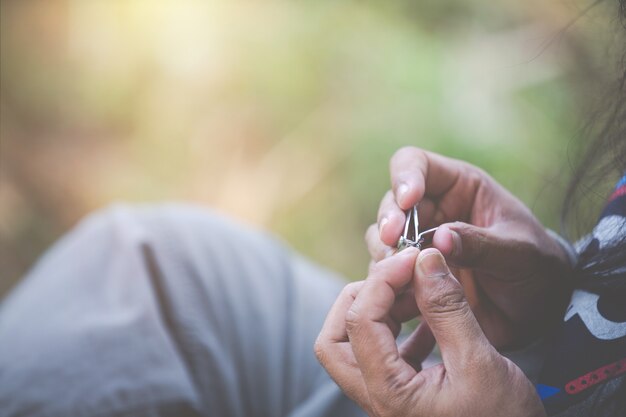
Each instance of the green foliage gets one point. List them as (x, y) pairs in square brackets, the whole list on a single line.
[(282, 113)]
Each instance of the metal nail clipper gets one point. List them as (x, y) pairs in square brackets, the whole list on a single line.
[(411, 235)]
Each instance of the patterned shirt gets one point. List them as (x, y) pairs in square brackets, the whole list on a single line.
[(585, 370)]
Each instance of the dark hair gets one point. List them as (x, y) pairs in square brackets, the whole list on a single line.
[(604, 160)]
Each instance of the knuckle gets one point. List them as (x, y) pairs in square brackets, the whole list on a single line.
[(320, 351), (478, 250), (395, 383), (448, 301), (349, 293), (351, 289), (474, 175), (353, 320)]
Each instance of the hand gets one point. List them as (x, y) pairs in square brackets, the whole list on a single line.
[(515, 275), (357, 347)]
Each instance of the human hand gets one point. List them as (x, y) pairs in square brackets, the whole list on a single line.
[(357, 347), (513, 272)]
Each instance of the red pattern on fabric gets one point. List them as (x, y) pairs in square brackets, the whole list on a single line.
[(595, 377), (618, 193)]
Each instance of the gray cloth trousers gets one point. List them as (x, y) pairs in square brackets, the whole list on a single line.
[(167, 311)]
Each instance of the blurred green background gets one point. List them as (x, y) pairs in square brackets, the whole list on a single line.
[(282, 113)]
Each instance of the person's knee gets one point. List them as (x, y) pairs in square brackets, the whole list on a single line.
[(172, 224)]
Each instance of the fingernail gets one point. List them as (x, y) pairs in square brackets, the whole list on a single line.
[(382, 224), (401, 192), (432, 265), (456, 243)]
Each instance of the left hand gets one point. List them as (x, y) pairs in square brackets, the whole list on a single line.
[(357, 347), (516, 277)]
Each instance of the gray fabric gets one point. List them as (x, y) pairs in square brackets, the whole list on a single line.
[(529, 359), (167, 311), (608, 400)]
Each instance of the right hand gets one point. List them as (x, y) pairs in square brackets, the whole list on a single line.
[(358, 348), (514, 274)]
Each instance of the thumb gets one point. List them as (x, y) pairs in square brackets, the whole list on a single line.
[(469, 246), (441, 300)]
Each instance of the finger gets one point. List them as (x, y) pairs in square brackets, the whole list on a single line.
[(373, 342), (416, 173), (443, 305), (371, 266), (468, 246), (333, 350), (416, 348), (334, 328), (405, 307), (427, 213), (391, 220), (377, 249)]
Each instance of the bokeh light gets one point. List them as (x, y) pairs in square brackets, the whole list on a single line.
[(281, 113)]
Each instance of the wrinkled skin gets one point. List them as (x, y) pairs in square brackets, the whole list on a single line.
[(514, 274), (507, 285), (357, 346)]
